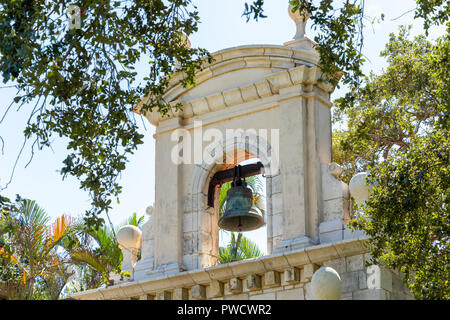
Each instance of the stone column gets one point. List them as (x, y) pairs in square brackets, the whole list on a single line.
[(305, 111), (293, 161), (167, 219)]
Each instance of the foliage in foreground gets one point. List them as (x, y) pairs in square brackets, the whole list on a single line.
[(39, 261), (408, 216), (82, 83), (398, 130), (33, 266)]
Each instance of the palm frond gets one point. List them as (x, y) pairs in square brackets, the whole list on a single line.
[(131, 220), (87, 257), (32, 213), (239, 248)]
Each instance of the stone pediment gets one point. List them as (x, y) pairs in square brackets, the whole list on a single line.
[(241, 74)]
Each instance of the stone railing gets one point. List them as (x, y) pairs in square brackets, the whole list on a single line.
[(280, 276)]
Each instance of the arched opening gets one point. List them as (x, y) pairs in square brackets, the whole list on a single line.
[(202, 237), (238, 246)]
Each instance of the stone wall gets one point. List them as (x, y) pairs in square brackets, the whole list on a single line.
[(285, 276), (367, 283)]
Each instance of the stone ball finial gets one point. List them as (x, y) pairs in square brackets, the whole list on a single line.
[(149, 211), (326, 284), (300, 20), (129, 237), (359, 188)]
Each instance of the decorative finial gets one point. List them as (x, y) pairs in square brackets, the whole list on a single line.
[(129, 239), (300, 20), (326, 284), (359, 188)]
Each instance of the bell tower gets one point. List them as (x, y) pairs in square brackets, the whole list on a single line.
[(269, 102), (272, 103)]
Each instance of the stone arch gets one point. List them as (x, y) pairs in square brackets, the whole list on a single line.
[(245, 144), (200, 229)]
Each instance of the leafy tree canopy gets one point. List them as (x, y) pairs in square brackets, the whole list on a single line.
[(83, 82), (340, 25), (398, 130)]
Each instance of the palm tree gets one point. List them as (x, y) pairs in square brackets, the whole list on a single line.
[(37, 261), (240, 247), (33, 266), (131, 220), (95, 254)]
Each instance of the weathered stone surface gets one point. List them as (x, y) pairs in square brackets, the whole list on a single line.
[(308, 291), (350, 247), (293, 294), (355, 263), (261, 87), (299, 258), (350, 281), (308, 271), (277, 221), (215, 289), (271, 279), (276, 184), (253, 282), (355, 283), (332, 236), (235, 285), (353, 234), (198, 292), (263, 296), (337, 264), (362, 280), (164, 295), (180, 294), (322, 252), (243, 296), (347, 296), (220, 272), (190, 242), (291, 275), (379, 278), (190, 261), (371, 294)]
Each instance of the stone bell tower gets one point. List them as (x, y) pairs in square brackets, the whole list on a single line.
[(278, 90), (272, 103)]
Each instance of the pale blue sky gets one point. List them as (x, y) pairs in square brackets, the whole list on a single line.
[(222, 27)]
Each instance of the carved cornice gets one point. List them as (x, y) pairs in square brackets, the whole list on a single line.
[(271, 85), (299, 67)]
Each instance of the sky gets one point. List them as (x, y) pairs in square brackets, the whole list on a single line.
[(221, 27)]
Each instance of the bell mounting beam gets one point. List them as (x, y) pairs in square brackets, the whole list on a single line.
[(228, 175)]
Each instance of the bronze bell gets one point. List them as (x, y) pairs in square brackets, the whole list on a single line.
[(240, 213)]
